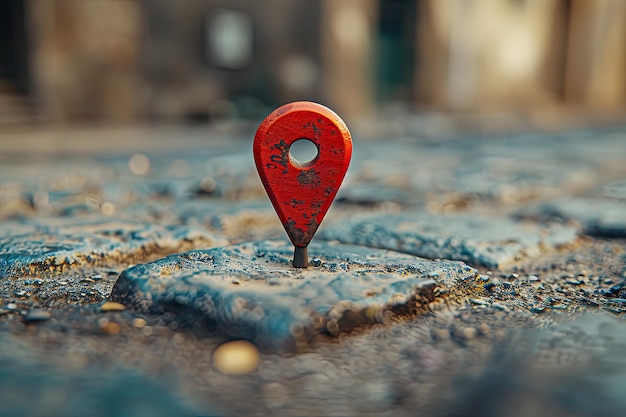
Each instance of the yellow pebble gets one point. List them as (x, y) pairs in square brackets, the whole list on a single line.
[(236, 358), (139, 323), (112, 306), (111, 328)]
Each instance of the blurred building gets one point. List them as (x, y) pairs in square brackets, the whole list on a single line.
[(196, 60)]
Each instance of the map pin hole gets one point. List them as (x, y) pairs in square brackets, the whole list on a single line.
[(303, 153)]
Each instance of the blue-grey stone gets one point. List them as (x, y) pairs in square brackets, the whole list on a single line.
[(252, 291), (49, 245), (478, 240), (596, 216), (34, 387)]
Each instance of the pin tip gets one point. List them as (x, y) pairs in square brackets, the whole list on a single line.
[(300, 257)]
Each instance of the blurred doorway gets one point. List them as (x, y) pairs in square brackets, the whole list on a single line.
[(13, 46), (14, 75), (396, 50)]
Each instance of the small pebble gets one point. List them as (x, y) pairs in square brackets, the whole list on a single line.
[(333, 327), (36, 314), (440, 334), (538, 309), (87, 281), (107, 208), (110, 328), (139, 323), (236, 358), (112, 306), (562, 291), (316, 262), (96, 277), (469, 333), (139, 164), (589, 301), (11, 306), (207, 185)]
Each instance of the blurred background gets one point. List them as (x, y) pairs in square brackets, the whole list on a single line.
[(201, 61)]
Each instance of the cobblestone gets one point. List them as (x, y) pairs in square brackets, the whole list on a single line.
[(251, 290), (595, 216), (475, 239), (47, 246)]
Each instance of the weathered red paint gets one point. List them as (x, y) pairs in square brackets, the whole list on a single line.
[(302, 193)]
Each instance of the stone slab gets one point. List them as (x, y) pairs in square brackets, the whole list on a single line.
[(251, 290), (52, 245), (477, 240), (505, 170), (596, 216), (373, 194), (242, 221)]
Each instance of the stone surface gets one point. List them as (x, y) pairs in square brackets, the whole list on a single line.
[(596, 216), (475, 239), (571, 369), (251, 290), (84, 186), (30, 387), (51, 245)]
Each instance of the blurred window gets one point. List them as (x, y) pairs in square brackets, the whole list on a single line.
[(13, 46), (229, 39)]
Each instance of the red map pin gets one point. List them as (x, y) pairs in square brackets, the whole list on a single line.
[(301, 193)]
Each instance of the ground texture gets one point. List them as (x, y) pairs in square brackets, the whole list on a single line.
[(452, 277)]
